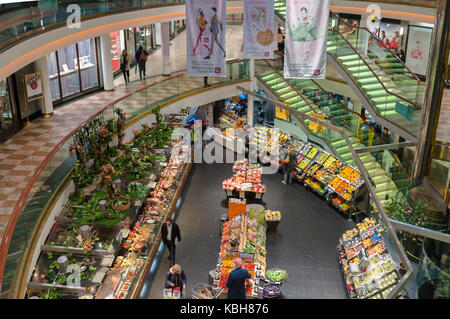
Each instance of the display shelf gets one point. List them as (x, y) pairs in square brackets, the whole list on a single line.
[(378, 274)]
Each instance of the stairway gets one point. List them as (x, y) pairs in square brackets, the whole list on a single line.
[(279, 86)]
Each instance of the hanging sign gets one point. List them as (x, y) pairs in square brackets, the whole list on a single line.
[(314, 126), (259, 36), (206, 23), (33, 82), (306, 39), (282, 114)]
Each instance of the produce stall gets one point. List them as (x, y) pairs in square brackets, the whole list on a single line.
[(244, 237), (246, 182), (368, 269), (105, 238)]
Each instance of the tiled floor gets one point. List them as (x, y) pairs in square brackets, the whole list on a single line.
[(21, 155), (308, 235)]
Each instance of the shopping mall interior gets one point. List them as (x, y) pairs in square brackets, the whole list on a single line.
[(346, 196)]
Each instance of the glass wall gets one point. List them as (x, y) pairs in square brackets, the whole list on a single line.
[(118, 45), (73, 69), (9, 123), (88, 64)]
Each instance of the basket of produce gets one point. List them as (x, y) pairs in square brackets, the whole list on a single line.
[(277, 275), (121, 204)]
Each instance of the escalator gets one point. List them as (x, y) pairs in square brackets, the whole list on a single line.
[(308, 97), (391, 92)]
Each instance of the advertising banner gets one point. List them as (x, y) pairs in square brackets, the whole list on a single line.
[(418, 49), (206, 23), (259, 33), (306, 39), (33, 83)]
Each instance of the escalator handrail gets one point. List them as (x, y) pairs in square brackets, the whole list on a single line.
[(368, 126), (380, 41), (417, 106)]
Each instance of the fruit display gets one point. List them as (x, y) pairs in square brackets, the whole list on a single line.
[(349, 173), (313, 169), (315, 185), (322, 158), (376, 280), (335, 182), (302, 165), (330, 160), (247, 178), (245, 237), (312, 153), (272, 216)]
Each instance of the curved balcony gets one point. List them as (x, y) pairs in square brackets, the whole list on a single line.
[(44, 27), (22, 232)]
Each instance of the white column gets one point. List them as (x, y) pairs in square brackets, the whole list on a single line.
[(165, 43), (106, 47), (42, 66), (251, 97)]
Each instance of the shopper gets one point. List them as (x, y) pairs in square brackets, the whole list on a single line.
[(141, 60), (205, 82), (170, 233), (386, 137), (260, 116), (125, 66), (289, 168), (176, 279), (236, 281)]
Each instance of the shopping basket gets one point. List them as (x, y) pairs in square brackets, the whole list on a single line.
[(170, 293), (200, 291)]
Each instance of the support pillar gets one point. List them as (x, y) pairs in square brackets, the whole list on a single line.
[(250, 97), (107, 71), (47, 103), (433, 92), (165, 47)]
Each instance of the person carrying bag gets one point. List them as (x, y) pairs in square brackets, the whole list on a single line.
[(176, 279)]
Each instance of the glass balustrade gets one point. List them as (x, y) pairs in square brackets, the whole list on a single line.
[(62, 163), (22, 17)]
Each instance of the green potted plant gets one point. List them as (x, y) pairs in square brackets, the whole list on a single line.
[(399, 209)]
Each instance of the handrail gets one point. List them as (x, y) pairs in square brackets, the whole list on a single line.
[(8, 233), (368, 126), (411, 137), (404, 259), (359, 115), (380, 41), (417, 106)]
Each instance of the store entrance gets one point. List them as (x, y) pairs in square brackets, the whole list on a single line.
[(9, 114)]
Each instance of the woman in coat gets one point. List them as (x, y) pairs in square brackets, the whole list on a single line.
[(176, 278), (216, 28), (125, 66)]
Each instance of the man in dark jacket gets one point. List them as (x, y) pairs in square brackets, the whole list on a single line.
[(236, 281), (290, 165), (141, 60), (170, 234)]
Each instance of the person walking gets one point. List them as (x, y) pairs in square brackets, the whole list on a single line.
[(141, 60), (236, 281), (176, 279), (289, 168), (125, 66), (216, 28), (170, 234)]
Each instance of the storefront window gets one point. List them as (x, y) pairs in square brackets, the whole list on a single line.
[(6, 113), (118, 45), (68, 70), (73, 69), (88, 64), (130, 41), (53, 74)]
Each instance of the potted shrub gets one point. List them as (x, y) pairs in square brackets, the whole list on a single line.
[(399, 209)]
